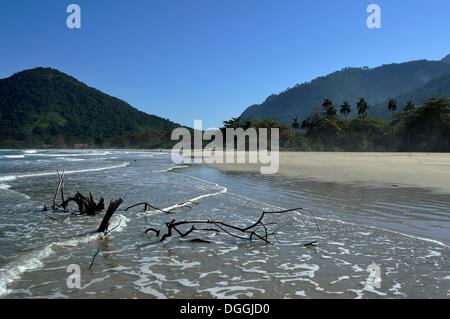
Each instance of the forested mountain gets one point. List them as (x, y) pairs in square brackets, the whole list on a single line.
[(376, 85), (439, 87), (446, 59), (44, 105)]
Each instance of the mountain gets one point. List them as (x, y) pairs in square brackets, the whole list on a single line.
[(44, 104), (438, 87), (446, 59), (376, 85)]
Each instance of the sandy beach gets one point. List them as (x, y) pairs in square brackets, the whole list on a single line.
[(424, 170), (403, 230)]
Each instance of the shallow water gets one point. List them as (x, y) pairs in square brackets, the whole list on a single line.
[(403, 231)]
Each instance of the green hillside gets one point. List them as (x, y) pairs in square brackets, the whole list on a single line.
[(44, 105), (439, 87), (446, 59), (376, 85)]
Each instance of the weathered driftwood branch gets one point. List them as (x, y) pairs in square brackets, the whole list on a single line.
[(257, 230), (93, 258), (60, 188), (52, 218), (146, 206), (86, 205), (113, 205), (297, 209), (104, 225)]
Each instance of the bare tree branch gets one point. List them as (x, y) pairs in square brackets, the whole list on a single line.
[(257, 230)]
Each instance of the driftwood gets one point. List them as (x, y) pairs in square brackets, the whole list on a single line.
[(259, 230), (60, 188), (255, 231), (86, 205), (113, 205), (52, 218), (146, 206), (104, 225)]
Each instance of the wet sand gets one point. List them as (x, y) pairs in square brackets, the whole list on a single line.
[(423, 170)]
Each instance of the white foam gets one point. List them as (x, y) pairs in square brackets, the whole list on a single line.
[(7, 187), (95, 281), (71, 154), (30, 152), (339, 279), (434, 241), (33, 260), (153, 292), (396, 290), (15, 156), (118, 222), (68, 159), (224, 292), (173, 207), (432, 253), (13, 177), (170, 169), (310, 271)]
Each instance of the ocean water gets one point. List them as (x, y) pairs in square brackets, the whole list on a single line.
[(404, 232)]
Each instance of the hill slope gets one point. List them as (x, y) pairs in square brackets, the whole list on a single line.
[(446, 59), (376, 85), (43, 103), (438, 87)]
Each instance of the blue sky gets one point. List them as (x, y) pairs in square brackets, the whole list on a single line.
[(210, 59)]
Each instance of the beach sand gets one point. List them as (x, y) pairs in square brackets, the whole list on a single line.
[(424, 170)]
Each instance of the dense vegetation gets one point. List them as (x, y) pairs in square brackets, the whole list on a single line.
[(415, 81), (422, 129), (43, 106)]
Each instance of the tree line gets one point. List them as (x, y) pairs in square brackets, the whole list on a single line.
[(421, 129)]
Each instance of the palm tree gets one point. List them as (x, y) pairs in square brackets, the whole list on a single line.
[(295, 125), (392, 106), (409, 108), (233, 123), (329, 108), (271, 122), (248, 123), (306, 124), (331, 112), (345, 109), (326, 104), (362, 108)]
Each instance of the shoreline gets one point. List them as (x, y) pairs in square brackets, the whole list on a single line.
[(373, 169), (393, 170)]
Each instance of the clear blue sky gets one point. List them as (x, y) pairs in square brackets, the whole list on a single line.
[(210, 59)]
